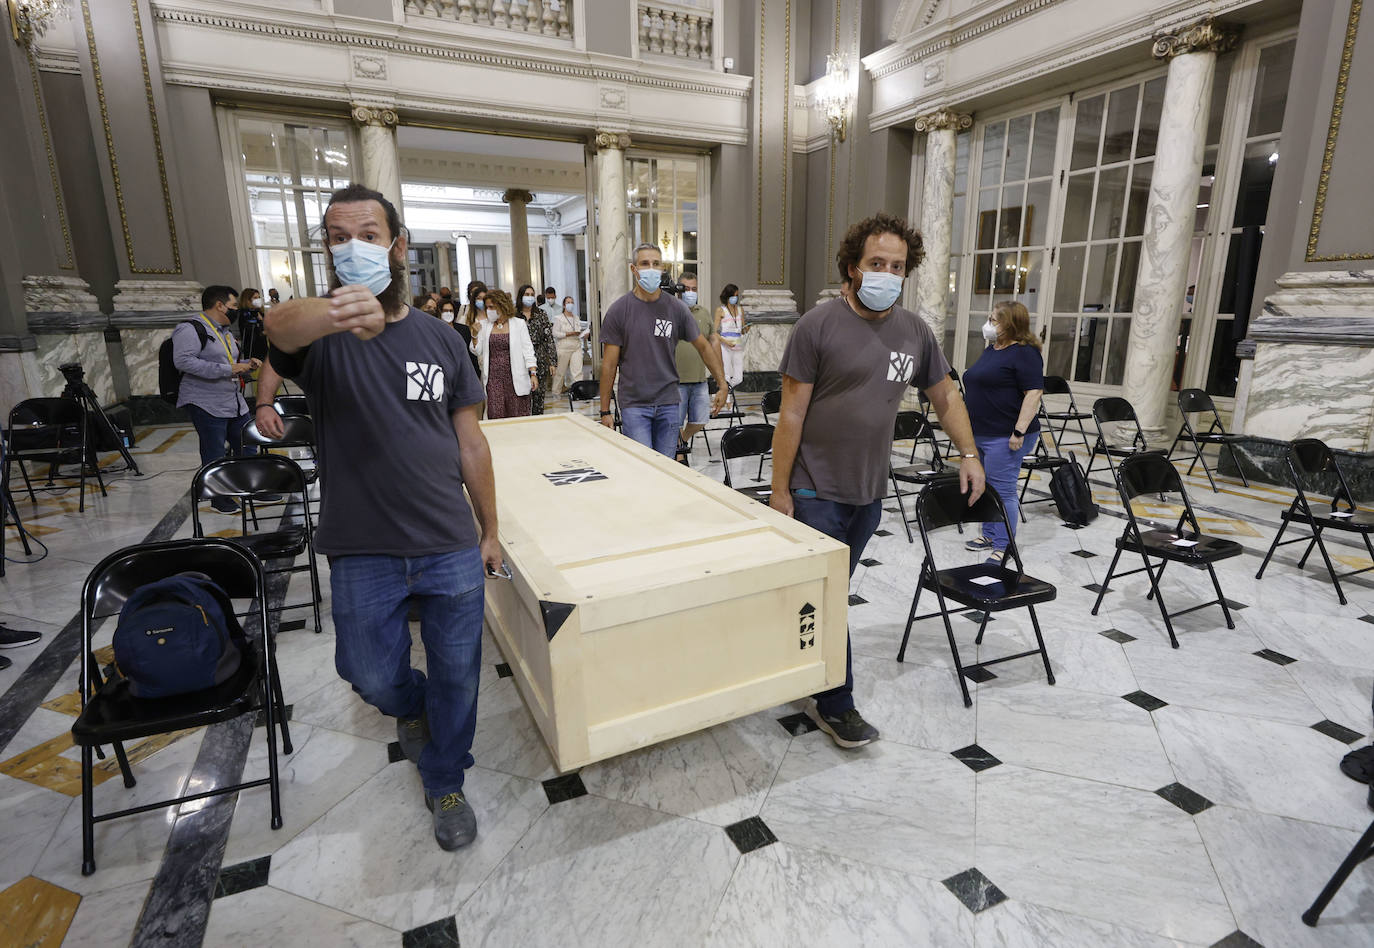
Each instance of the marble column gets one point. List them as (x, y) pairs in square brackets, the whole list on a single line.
[(518, 200), (612, 226), (463, 275), (443, 265), (937, 213), (1163, 276), (381, 162)]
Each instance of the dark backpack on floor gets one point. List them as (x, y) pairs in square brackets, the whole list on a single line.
[(178, 635), (1072, 495), (168, 375)]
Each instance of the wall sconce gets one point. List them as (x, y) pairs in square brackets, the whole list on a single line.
[(31, 18), (834, 95)]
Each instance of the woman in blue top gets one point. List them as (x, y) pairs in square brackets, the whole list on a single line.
[(1002, 390)]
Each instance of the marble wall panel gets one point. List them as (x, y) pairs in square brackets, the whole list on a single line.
[(1313, 391), (763, 351), (87, 348), (140, 355)]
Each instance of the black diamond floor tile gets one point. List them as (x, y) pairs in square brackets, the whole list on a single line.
[(242, 877), (1338, 731), (798, 724), (262, 716), (882, 533), (1144, 700), (975, 758), (1083, 553), (1189, 801), (1116, 635), (503, 670), (393, 752), (856, 600), (1093, 587), (1369, 619), (751, 834), (977, 617), (975, 890), (1232, 604), (1237, 939), (440, 934), (870, 562), (566, 787), (291, 625), (1278, 658), (978, 673), (893, 510)]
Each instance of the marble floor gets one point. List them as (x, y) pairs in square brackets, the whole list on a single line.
[(1151, 797)]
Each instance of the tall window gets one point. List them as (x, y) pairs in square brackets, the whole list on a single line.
[(662, 200), (484, 264), (1111, 162), (289, 170), (424, 270), (962, 143)]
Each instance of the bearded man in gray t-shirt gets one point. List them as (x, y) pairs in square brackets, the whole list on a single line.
[(846, 367)]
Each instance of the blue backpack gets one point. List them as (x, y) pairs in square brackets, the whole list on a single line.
[(178, 635)]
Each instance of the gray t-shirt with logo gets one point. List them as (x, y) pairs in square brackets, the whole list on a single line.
[(647, 334), (859, 370), (388, 455)]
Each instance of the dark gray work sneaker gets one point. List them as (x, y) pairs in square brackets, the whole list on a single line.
[(455, 824), (846, 730), (17, 638), (413, 735)]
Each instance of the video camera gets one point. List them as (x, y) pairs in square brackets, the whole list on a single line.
[(670, 287), (73, 373)]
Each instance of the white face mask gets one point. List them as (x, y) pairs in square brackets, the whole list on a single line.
[(990, 332), (447, 315), (527, 300)]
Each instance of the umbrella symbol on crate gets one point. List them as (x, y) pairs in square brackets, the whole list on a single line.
[(806, 634)]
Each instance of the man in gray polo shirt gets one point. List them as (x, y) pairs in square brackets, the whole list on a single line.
[(639, 333), (846, 367)]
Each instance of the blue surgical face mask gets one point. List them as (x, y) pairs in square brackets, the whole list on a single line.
[(879, 290), (689, 297), (527, 300), (481, 305), (650, 278), (360, 263), (734, 301)]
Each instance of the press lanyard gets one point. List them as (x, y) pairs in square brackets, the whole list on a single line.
[(222, 341)]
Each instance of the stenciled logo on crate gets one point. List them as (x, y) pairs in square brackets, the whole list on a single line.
[(806, 627), (576, 475), (900, 366)]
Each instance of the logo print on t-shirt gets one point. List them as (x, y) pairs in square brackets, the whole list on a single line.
[(900, 367), (663, 328), (424, 382)]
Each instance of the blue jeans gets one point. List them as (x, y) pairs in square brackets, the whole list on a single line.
[(215, 433), (655, 426), (1003, 468), (371, 596), (853, 525), (693, 403)]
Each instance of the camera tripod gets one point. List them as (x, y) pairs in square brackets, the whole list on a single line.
[(77, 390)]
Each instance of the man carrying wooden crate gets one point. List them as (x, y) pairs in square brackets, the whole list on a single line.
[(396, 404), (846, 367)]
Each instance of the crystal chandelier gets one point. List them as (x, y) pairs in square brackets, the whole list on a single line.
[(31, 18), (834, 95)]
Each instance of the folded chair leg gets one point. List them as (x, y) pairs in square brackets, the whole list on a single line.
[(1364, 848), (124, 767), (954, 650), (1330, 567), (901, 507), (1239, 470), (982, 627), (87, 813), (1151, 594), (1040, 641), (1159, 598), (1021, 498), (1311, 545), (1221, 597), (1272, 547), (273, 782), (1106, 580), (911, 616)]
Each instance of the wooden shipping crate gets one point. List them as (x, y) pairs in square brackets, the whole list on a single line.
[(649, 601)]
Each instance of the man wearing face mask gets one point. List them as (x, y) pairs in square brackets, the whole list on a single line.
[(639, 333), (846, 367), (694, 402), (397, 406), (550, 304)]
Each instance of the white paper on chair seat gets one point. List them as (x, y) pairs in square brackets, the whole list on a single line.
[(1185, 543), (984, 580), (1342, 513)]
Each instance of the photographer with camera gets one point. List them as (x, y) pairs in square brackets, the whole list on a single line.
[(210, 373), (640, 333)]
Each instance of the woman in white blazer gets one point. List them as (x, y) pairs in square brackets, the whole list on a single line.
[(506, 355)]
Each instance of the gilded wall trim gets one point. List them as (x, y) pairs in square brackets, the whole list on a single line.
[(786, 139), (110, 145), (69, 261), (1333, 129), (849, 174)]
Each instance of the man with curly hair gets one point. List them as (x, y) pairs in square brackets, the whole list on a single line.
[(846, 367)]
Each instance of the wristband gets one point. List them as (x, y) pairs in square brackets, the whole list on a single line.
[(257, 408), (605, 413), (967, 456), (1019, 434)]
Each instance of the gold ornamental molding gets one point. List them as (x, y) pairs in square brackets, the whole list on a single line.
[(376, 116), (786, 106), (943, 120), (69, 262), (1205, 36), (1332, 130), (616, 140), (175, 268)]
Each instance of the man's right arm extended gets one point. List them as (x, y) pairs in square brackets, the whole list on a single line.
[(295, 324)]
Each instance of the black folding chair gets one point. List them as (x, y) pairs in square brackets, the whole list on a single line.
[(916, 427), (771, 404), (8, 511), (110, 714), (589, 390), (985, 587), (747, 441), (292, 405), (943, 442), (53, 431), (1151, 473), (1041, 459), (298, 434), (1312, 464), (1115, 411), (246, 478), (1058, 385), (1362, 850), (1195, 401)]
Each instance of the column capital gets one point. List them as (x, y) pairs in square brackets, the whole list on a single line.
[(517, 196), (942, 119), (606, 139), (1207, 35), (376, 115)]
